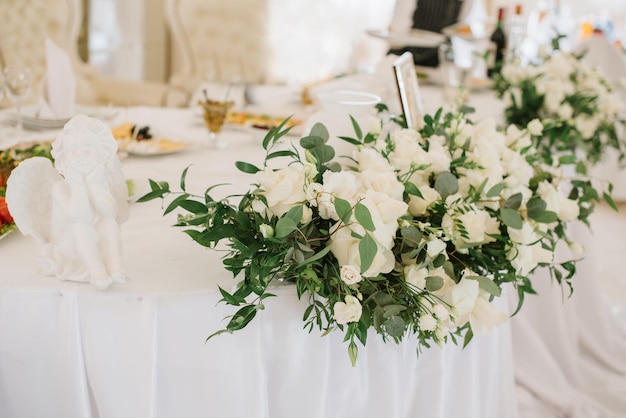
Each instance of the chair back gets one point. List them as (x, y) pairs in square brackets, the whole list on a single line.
[(25, 26), (217, 40)]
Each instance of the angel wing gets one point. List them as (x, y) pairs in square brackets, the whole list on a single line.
[(29, 197), (119, 189)]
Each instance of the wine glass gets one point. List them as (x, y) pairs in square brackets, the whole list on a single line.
[(214, 117), (18, 82)]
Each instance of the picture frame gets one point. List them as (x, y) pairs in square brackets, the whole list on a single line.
[(408, 90)]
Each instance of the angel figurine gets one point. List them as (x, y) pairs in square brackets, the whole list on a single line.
[(74, 208)]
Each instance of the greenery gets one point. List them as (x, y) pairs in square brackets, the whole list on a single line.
[(416, 234), (581, 112)]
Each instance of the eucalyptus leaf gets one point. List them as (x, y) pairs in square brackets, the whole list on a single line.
[(323, 153), (363, 215), (547, 217), (320, 130), (311, 141), (495, 190), (434, 283), (295, 214), (446, 184), (367, 252), (511, 218), (395, 326), (343, 209), (535, 207), (285, 226), (487, 285), (392, 310), (514, 201)]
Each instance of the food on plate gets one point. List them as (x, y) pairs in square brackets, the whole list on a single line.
[(138, 139), (261, 121)]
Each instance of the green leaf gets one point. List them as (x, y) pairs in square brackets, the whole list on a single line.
[(319, 130), (241, 318), (247, 167), (609, 200), (295, 213), (487, 285), (395, 326), (535, 207), (230, 299), (323, 153), (367, 252), (174, 203), (183, 178), (155, 194), (468, 337), (514, 201), (309, 142), (495, 190), (318, 255), (511, 218), (357, 128), (193, 206), (282, 153), (446, 184), (546, 217), (411, 189), (434, 283), (363, 215), (392, 310), (285, 226), (343, 209)]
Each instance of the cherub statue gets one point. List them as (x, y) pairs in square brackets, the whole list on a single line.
[(74, 209)]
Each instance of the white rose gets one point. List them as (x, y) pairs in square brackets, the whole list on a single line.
[(307, 215), (427, 322), (342, 184), (350, 274), (419, 205), (485, 317), (416, 275), (283, 189), (470, 305), (478, 225), (528, 251), (586, 125), (565, 111), (535, 127), (310, 171), (345, 248), (435, 247), (350, 311)]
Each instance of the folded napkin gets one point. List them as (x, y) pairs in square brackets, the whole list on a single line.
[(59, 84), (603, 55)]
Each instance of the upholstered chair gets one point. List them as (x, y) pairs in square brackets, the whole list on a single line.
[(217, 40), (25, 26)]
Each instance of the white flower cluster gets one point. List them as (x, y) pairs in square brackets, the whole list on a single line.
[(563, 75)]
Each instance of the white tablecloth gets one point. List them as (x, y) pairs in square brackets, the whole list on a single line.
[(138, 349)]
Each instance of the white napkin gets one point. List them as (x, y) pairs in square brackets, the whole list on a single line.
[(59, 84), (603, 55)]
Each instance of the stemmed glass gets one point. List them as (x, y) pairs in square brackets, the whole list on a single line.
[(18, 82), (214, 112)]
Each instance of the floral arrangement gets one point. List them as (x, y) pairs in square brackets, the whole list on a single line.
[(581, 113), (415, 234)]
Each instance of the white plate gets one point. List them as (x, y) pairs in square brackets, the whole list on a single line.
[(154, 146)]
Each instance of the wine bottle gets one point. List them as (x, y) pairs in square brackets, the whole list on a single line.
[(498, 38), (516, 36)]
